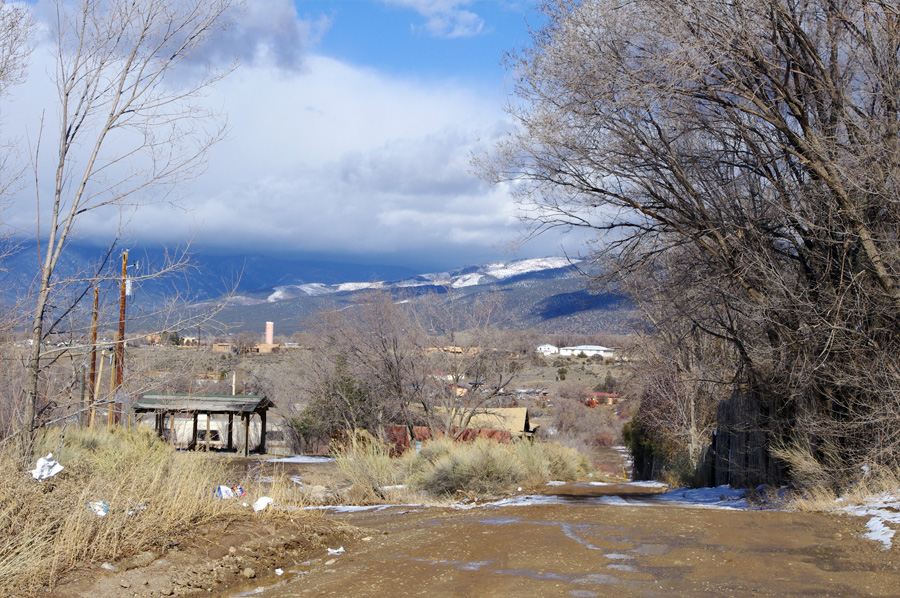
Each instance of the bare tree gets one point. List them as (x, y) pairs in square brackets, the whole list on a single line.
[(128, 131), (470, 360), (760, 138), (425, 361)]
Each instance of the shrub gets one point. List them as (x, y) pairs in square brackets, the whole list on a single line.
[(483, 467), (487, 467)]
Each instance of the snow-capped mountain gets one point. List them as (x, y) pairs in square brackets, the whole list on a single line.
[(460, 278)]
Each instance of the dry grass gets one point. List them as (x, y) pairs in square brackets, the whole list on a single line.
[(819, 486), (443, 467), (153, 494), (485, 467), (482, 467), (545, 461), (368, 466)]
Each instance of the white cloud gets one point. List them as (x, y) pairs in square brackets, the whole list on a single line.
[(445, 18), (327, 157), (266, 31)]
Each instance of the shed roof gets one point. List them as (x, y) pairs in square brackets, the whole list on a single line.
[(203, 403), (514, 420)]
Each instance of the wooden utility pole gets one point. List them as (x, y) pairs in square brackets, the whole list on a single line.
[(120, 344), (96, 394), (111, 414), (92, 379)]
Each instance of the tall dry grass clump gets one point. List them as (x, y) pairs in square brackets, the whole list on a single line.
[(482, 466), (486, 467), (545, 461), (443, 467), (152, 494), (820, 484), (368, 466)]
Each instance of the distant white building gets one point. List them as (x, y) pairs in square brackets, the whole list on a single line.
[(587, 351), (547, 350)]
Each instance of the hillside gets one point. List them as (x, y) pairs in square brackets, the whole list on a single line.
[(546, 294)]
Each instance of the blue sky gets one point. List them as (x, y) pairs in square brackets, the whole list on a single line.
[(403, 43), (352, 126)]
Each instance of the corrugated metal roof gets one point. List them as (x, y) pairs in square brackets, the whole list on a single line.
[(202, 403)]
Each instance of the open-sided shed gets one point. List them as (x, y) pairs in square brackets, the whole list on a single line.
[(167, 406)]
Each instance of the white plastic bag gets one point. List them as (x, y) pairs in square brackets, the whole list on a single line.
[(46, 467), (262, 503)]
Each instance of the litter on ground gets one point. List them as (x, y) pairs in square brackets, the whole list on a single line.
[(46, 467), (99, 508), (261, 503)]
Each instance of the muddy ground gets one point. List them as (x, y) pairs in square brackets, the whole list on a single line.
[(585, 547)]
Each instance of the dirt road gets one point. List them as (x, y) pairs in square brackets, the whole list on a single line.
[(586, 548)]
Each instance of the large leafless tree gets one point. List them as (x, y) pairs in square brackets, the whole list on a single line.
[(129, 126), (759, 137), (424, 360)]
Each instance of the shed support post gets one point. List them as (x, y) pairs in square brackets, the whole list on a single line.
[(246, 418), (262, 431), (230, 430), (207, 431), (172, 428), (194, 432)]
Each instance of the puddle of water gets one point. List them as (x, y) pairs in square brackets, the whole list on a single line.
[(539, 575), (572, 530), (582, 594), (595, 578), (475, 565), (626, 568), (500, 520), (652, 549), (622, 557)]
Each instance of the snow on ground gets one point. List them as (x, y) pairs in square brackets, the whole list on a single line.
[(301, 459), (503, 270), (882, 509), (722, 497), (648, 484), (359, 286), (467, 280)]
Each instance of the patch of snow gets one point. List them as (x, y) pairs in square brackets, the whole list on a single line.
[(301, 459), (356, 508), (359, 286), (467, 280), (503, 270), (882, 509), (242, 300), (314, 289), (279, 294), (620, 501), (879, 532), (556, 483), (723, 497), (648, 484)]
